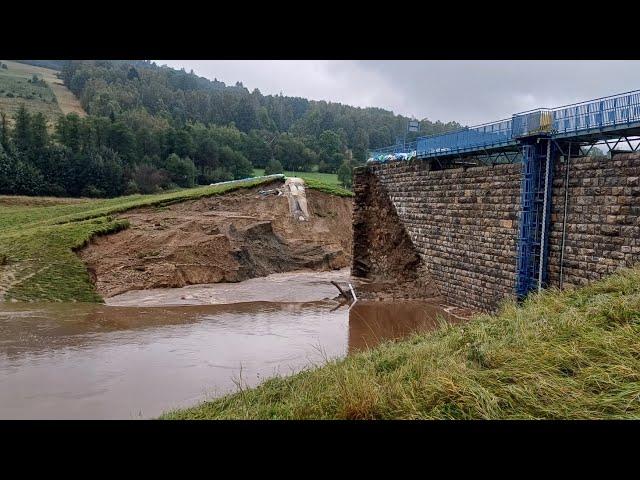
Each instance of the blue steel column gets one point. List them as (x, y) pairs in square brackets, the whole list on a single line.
[(533, 235), (525, 261)]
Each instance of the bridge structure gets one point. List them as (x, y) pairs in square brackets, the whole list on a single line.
[(536, 138)]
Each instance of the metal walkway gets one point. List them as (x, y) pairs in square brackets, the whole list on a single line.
[(601, 119), (535, 138)]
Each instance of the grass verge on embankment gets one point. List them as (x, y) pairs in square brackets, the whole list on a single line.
[(38, 236), (327, 188), (561, 355), (325, 182)]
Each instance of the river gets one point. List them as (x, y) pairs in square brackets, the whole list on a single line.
[(151, 351)]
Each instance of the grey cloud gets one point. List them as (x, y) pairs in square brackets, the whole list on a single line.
[(478, 91), (469, 92)]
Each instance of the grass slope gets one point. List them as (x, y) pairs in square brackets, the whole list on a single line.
[(38, 235), (326, 178), (52, 100), (325, 182), (327, 188), (16, 90), (562, 355)]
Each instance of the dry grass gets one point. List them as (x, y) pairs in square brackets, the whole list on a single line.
[(67, 101), (64, 101), (561, 355), (26, 201)]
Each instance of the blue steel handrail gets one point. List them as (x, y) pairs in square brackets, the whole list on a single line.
[(394, 149), (485, 135), (621, 109), (609, 112)]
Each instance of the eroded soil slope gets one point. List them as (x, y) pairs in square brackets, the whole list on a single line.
[(227, 238)]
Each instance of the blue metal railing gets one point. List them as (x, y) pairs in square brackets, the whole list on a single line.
[(487, 134), (393, 150), (471, 138), (619, 110), (613, 111)]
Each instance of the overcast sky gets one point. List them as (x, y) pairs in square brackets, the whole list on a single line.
[(469, 92)]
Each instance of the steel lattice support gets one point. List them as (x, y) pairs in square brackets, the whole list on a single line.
[(535, 203)]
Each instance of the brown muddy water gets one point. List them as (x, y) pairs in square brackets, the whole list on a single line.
[(135, 358)]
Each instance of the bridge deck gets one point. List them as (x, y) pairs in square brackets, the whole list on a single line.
[(604, 118)]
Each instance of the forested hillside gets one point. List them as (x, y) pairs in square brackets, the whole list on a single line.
[(152, 127), (53, 64)]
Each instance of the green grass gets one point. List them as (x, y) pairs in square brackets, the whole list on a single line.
[(326, 178), (38, 236), (561, 355), (35, 97), (324, 182), (327, 188)]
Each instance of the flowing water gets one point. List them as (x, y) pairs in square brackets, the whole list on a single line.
[(151, 351)]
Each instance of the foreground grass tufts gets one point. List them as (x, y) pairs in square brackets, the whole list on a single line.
[(561, 355)]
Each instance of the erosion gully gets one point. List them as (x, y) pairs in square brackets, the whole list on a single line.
[(149, 351)]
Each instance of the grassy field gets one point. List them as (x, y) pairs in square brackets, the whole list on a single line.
[(561, 355), (325, 182), (52, 99), (16, 90), (326, 178), (38, 235), (327, 188)]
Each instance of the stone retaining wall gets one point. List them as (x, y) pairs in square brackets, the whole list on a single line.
[(603, 213), (463, 224)]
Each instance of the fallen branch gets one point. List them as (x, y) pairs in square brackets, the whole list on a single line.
[(342, 292)]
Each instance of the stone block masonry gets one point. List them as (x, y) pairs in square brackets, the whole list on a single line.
[(463, 224), (603, 218), (458, 228)]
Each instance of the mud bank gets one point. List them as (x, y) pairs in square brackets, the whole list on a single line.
[(228, 238), (289, 287)]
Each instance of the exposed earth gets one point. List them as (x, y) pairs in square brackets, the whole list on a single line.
[(227, 238)]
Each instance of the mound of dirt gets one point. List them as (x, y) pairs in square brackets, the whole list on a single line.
[(226, 238)]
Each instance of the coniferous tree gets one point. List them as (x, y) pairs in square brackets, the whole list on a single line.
[(150, 127)]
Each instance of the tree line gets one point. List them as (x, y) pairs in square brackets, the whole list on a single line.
[(105, 157), (109, 88), (151, 128), (102, 157)]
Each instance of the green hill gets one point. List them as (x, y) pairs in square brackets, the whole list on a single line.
[(51, 64), (17, 87), (36, 87)]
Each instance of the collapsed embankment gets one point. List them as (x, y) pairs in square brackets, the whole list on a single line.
[(383, 252), (227, 238)]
